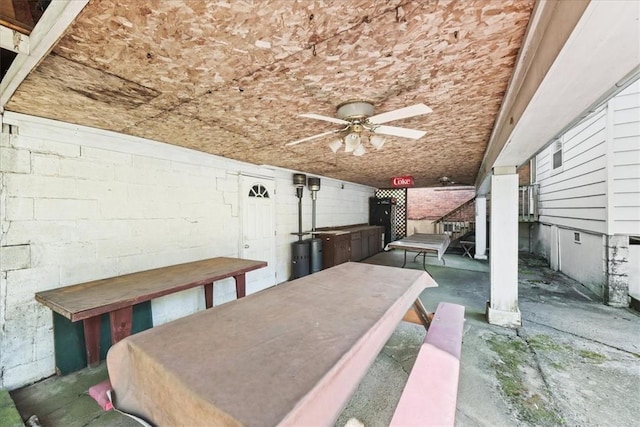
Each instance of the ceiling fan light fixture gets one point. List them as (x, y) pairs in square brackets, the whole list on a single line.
[(377, 141), (445, 180), (354, 109), (335, 145), (359, 150), (352, 141), (357, 119)]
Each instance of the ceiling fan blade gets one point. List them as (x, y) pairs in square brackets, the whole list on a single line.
[(396, 131), (325, 118), (309, 138), (402, 113)]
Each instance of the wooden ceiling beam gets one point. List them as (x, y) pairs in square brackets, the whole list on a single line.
[(13, 40), (54, 22)]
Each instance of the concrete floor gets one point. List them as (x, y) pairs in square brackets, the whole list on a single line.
[(573, 362)]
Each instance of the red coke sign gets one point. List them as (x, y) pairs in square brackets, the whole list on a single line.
[(402, 181)]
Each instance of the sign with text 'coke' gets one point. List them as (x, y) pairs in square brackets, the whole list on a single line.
[(402, 181)]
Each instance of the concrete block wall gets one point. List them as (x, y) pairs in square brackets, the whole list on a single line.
[(616, 290), (80, 204), (634, 267)]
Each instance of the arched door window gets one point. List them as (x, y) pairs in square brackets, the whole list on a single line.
[(259, 191)]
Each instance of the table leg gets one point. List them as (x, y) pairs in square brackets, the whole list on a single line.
[(91, 328), (240, 286), (208, 295), (405, 259), (121, 321), (422, 313)]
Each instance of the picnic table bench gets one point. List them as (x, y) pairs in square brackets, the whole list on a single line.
[(430, 394), (87, 302)]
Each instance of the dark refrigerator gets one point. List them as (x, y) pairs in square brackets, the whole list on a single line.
[(382, 212)]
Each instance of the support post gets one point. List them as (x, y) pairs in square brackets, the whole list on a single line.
[(503, 309), (481, 227), (616, 289)]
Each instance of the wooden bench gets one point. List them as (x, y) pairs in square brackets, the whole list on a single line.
[(117, 295), (429, 397), (467, 246)]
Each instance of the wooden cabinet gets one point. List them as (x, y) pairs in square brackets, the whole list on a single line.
[(372, 239), (350, 243), (356, 246), (336, 248)]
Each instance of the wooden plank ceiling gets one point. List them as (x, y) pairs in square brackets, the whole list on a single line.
[(230, 78)]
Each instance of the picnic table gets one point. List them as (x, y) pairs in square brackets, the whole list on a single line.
[(290, 355), (422, 243), (87, 302)]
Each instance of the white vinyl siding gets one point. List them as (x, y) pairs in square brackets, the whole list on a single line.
[(575, 196), (583, 261), (625, 198)]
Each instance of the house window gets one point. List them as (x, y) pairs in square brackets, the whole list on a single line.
[(259, 191), (576, 237), (557, 155)]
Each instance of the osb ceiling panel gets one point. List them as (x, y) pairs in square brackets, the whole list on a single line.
[(230, 78)]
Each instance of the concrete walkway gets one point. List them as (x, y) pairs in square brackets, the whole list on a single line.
[(574, 362)]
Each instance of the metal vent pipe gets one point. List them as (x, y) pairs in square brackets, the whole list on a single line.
[(315, 244), (314, 187)]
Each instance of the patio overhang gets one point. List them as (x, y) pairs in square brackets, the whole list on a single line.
[(575, 56)]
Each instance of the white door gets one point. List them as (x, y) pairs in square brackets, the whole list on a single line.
[(258, 229)]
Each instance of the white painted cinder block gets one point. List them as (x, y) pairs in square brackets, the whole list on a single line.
[(96, 204), (228, 184), (42, 145), (12, 160), (31, 280), (19, 208), (81, 272), (40, 232), (15, 257), (22, 185), (51, 209), (86, 169), (45, 164)]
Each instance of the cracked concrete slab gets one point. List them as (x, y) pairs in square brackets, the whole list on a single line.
[(573, 362)]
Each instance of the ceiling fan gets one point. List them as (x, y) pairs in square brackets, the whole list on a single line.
[(357, 117)]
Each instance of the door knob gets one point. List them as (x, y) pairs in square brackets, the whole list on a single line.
[(246, 246)]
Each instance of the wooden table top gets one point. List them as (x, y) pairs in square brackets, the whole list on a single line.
[(90, 299), (290, 355)]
